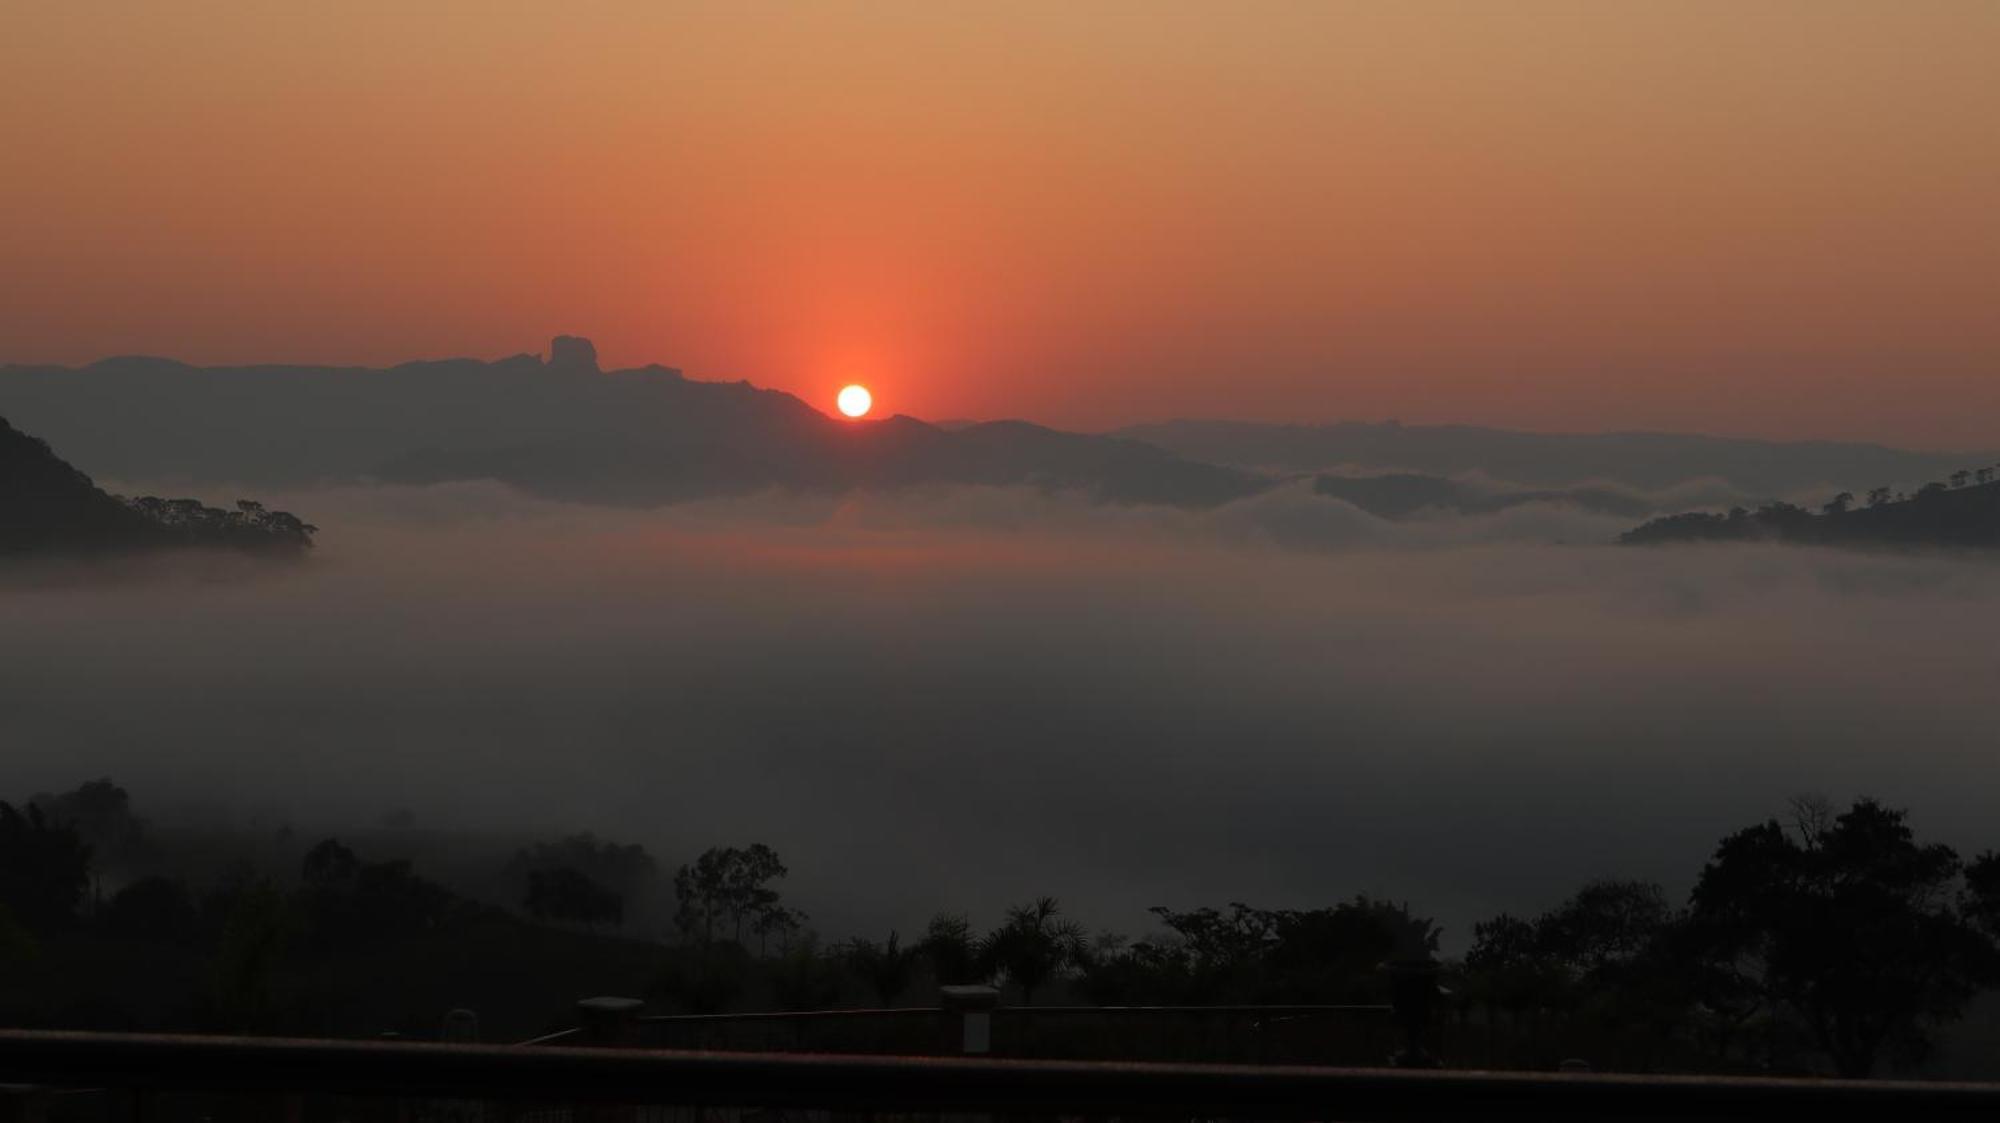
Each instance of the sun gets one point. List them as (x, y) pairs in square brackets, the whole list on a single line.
[(855, 401)]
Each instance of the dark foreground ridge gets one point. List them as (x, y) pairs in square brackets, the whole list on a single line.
[(1839, 942), (48, 507), (1963, 513)]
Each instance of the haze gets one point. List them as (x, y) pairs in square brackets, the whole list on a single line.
[(963, 697)]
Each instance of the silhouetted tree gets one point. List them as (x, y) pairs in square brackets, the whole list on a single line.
[(885, 967), (346, 900), (1839, 504), (1033, 946), (1959, 478), (44, 868), (624, 869), (1249, 955), (1583, 948), (1608, 957), (1980, 903), (803, 979), (1207, 955), (1216, 940), (726, 884), (1606, 925), (101, 813), (949, 947), (249, 527), (1333, 954), (1850, 923), (1509, 966), (777, 923)]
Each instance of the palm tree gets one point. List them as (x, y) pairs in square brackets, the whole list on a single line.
[(885, 967), (949, 946), (1033, 946)]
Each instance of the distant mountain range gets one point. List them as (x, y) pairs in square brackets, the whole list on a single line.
[(1648, 461), (563, 428), (816, 453), (48, 507), (560, 428)]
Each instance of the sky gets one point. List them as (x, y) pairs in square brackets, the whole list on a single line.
[(1770, 219)]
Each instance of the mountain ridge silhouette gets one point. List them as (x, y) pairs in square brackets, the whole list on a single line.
[(563, 428), (1648, 460), (644, 435)]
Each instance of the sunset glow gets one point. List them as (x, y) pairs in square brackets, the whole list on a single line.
[(1771, 219)]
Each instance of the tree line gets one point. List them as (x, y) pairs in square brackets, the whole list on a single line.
[(1824, 939), (1965, 511), (249, 525)]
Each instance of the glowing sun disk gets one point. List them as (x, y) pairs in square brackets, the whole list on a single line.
[(855, 401)]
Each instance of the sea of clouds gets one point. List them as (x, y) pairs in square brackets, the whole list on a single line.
[(958, 699)]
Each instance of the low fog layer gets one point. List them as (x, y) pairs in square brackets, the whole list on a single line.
[(958, 699)]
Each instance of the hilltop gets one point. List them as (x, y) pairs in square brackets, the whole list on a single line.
[(47, 506), (1962, 513)]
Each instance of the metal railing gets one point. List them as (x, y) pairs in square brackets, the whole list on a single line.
[(1297, 1034), (513, 1078)]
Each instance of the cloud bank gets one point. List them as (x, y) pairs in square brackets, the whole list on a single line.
[(958, 699)]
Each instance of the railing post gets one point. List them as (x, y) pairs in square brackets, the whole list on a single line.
[(609, 1022), (968, 1018), (460, 1027)]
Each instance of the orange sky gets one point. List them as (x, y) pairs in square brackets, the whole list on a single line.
[(1768, 218)]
